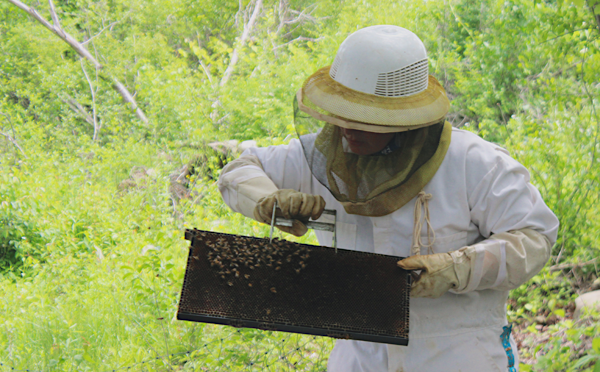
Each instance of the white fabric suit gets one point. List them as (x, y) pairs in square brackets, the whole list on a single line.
[(479, 190)]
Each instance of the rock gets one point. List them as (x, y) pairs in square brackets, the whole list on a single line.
[(225, 147), (232, 146), (590, 300), (151, 173), (596, 284), (138, 173), (126, 185)]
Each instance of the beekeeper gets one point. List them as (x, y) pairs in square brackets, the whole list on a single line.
[(373, 145)]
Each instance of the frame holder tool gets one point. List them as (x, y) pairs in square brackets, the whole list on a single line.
[(322, 226)]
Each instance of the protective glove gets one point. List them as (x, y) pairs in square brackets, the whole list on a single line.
[(293, 204), (439, 272)]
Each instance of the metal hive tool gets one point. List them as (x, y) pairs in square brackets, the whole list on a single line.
[(285, 286), (314, 225)]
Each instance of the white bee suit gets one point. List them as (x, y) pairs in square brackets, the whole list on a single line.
[(478, 191)]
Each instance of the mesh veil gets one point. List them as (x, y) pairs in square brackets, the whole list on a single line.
[(372, 185)]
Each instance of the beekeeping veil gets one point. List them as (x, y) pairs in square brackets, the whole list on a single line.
[(379, 82)]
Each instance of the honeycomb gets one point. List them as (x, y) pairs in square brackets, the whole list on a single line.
[(286, 286)]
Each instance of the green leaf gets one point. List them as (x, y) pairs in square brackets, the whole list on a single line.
[(596, 344), (127, 275), (583, 361), (524, 367), (88, 358)]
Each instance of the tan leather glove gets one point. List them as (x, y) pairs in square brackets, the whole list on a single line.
[(293, 204), (439, 272)]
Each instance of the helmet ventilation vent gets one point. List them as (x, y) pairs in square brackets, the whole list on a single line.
[(334, 67), (407, 81)]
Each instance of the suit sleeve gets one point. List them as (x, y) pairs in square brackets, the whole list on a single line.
[(509, 211), (261, 171)]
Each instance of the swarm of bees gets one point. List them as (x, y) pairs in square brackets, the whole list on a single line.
[(236, 257)]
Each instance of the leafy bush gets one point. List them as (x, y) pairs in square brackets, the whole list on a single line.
[(91, 249)]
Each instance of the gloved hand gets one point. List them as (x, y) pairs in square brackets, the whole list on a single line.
[(440, 272), (293, 204)]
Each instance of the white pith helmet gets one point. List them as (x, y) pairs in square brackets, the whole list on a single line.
[(379, 82), (387, 61)]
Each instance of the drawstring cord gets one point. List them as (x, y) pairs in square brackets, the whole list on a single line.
[(422, 202)]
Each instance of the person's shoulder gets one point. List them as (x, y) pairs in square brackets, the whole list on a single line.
[(470, 144), (480, 157), (277, 153), (465, 137)]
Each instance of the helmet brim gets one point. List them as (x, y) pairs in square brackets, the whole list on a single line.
[(348, 108)]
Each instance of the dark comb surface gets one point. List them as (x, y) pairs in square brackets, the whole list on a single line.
[(285, 286)]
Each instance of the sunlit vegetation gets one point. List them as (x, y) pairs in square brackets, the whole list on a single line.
[(94, 199)]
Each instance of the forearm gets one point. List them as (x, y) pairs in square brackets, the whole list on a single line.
[(503, 261), (243, 182)]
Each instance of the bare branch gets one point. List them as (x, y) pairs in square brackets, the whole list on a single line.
[(206, 71), (245, 34), (129, 99), (305, 14), (592, 8), (100, 32), (572, 266), (83, 52), (282, 13), (10, 138), (94, 118), (300, 17), (237, 15), (54, 16), (78, 108), (14, 142), (299, 38)]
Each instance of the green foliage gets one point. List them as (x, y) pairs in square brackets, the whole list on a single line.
[(558, 352), (91, 248), (547, 293)]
